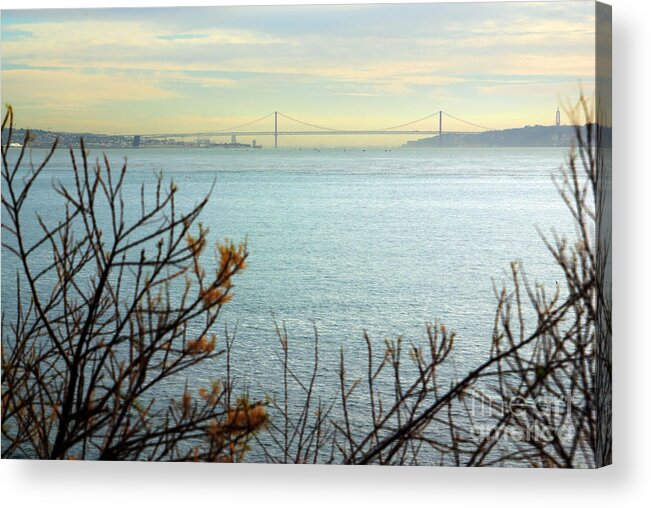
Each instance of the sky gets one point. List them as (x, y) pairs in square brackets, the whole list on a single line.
[(164, 70)]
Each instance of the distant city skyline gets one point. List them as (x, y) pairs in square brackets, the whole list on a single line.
[(135, 71)]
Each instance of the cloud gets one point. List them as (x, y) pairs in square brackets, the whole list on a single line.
[(219, 61), (359, 94), (182, 37), (143, 44), (58, 89), (527, 89)]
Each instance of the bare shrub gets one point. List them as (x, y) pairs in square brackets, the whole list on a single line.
[(535, 401), (115, 313)]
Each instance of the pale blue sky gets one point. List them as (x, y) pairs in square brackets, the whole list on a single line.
[(190, 69)]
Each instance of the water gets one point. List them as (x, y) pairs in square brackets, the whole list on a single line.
[(353, 241)]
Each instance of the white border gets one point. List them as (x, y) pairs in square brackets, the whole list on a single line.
[(626, 483)]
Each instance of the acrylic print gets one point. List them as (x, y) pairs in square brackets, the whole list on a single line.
[(351, 234)]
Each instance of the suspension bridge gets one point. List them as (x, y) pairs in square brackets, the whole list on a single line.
[(285, 125)]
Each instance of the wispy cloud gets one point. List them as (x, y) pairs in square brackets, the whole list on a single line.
[(182, 37), (316, 60)]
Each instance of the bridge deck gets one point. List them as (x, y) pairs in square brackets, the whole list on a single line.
[(307, 133)]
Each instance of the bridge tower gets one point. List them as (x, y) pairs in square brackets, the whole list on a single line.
[(440, 126), (558, 116), (275, 129)]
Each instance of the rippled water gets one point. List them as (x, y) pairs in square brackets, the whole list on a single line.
[(354, 240)]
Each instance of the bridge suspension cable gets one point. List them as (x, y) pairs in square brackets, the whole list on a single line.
[(231, 129), (320, 129), (307, 124), (410, 123), (467, 122)]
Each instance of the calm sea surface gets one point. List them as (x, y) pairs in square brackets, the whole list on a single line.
[(348, 241)]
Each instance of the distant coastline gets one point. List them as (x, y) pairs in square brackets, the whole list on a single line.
[(529, 136), (45, 139)]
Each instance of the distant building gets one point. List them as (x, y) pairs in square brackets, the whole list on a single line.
[(253, 144), (233, 139), (558, 117)]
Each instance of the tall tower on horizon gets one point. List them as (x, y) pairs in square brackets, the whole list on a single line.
[(558, 116)]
